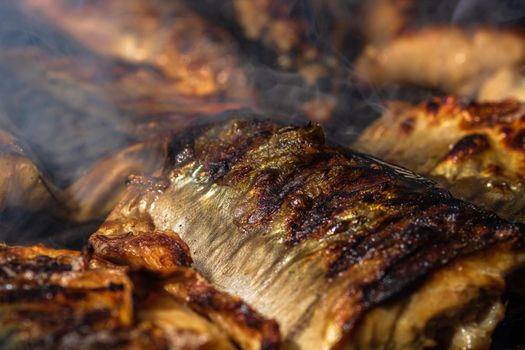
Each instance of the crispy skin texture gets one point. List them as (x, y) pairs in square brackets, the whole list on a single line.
[(56, 299), (474, 149), (452, 59), (312, 235), (178, 326), (163, 251), (199, 59)]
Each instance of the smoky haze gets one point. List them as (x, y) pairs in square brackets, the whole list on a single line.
[(65, 99), (66, 123)]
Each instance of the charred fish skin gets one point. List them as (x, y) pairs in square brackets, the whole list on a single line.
[(312, 235)]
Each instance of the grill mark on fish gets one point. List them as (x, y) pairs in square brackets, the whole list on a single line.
[(40, 265), (30, 292), (275, 189)]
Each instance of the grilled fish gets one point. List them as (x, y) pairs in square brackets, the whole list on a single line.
[(452, 59), (96, 192), (63, 299), (342, 250), (473, 149), (199, 59)]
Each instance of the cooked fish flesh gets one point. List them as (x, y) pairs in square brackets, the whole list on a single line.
[(234, 317), (342, 250), (199, 59), (452, 59), (61, 299), (473, 149)]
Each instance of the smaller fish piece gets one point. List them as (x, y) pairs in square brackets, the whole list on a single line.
[(63, 299), (474, 149), (449, 58)]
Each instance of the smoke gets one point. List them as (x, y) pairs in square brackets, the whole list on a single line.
[(50, 101)]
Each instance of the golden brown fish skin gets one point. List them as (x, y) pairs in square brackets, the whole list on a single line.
[(164, 250), (474, 149), (137, 244), (260, 203), (96, 192)]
